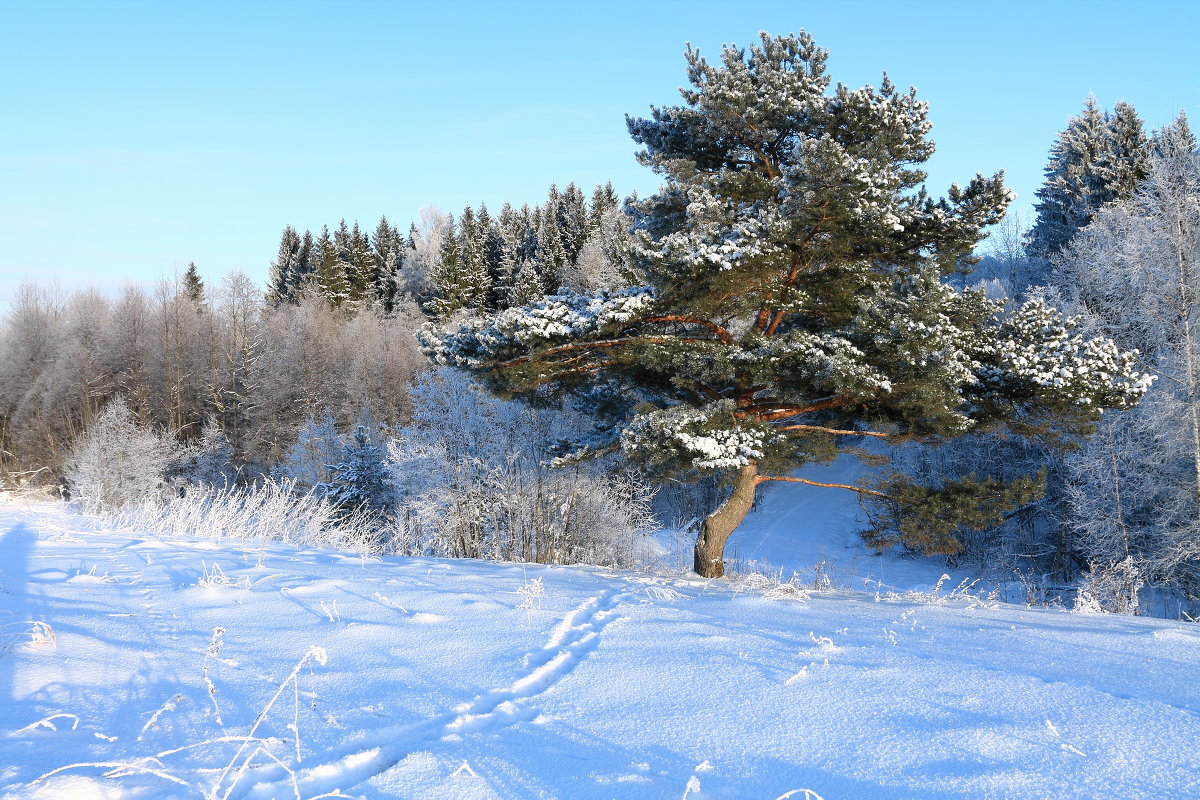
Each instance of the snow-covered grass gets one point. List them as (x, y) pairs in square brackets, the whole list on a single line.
[(272, 511), (174, 666)]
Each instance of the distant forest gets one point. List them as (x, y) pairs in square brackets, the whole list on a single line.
[(332, 331)]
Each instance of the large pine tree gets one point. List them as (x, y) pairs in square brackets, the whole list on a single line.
[(795, 304)]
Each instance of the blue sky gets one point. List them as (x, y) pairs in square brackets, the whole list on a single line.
[(139, 136)]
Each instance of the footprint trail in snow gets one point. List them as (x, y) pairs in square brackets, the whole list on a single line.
[(575, 636)]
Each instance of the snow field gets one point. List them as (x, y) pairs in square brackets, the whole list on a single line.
[(457, 679)]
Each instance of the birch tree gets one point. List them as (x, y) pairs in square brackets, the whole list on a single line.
[(1135, 273)]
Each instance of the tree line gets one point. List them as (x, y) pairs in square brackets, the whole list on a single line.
[(476, 262), (333, 329)]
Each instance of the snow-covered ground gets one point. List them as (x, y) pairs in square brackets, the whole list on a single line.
[(172, 665)]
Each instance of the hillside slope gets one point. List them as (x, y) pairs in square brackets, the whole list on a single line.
[(429, 678)]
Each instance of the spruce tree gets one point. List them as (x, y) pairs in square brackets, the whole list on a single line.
[(1128, 166), (604, 199), (528, 285), (510, 235), (193, 285), (795, 303), (361, 270), (1173, 137), (460, 277), (572, 222), (285, 272), (495, 257), (303, 275), (551, 255), (528, 219), (387, 261), (472, 251), (1073, 189), (451, 291), (1097, 159), (329, 275), (360, 482), (353, 283)]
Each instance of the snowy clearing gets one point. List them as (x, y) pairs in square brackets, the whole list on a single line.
[(193, 668)]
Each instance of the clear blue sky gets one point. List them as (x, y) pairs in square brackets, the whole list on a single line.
[(136, 137)]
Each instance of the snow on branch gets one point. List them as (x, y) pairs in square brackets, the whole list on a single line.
[(1037, 344), (556, 319), (708, 438)]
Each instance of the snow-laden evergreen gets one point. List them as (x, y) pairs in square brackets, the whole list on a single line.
[(1098, 158), (359, 482), (558, 318), (794, 295)]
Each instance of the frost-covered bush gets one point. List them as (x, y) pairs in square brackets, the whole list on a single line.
[(473, 481), (307, 462), (1111, 588), (116, 462), (272, 511), (206, 462)]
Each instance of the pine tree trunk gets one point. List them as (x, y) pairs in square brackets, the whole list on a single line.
[(715, 530)]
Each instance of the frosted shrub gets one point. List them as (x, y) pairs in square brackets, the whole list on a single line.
[(207, 461), (473, 481), (522, 512), (1112, 588), (273, 511), (567, 517), (116, 461), (306, 462)]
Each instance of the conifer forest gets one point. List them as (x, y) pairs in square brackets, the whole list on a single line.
[(560, 382)]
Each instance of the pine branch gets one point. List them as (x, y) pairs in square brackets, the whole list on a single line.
[(601, 343), (765, 411), (836, 431), (848, 486), (721, 333)]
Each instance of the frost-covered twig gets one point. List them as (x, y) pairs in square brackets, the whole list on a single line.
[(317, 654), (48, 722)]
